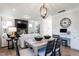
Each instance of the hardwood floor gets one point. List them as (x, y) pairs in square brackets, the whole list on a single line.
[(7, 52), (65, 52), (69, 52)]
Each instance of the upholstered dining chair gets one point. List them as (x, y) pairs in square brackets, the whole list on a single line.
[(47, 51)]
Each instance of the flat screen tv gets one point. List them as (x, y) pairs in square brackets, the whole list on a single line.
[(63, 30), (21, 25)]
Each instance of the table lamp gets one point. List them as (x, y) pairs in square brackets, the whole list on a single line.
[(12, 30)]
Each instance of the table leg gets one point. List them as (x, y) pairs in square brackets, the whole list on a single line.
[(35, 51)]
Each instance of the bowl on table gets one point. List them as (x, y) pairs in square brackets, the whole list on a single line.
[(47, 36), (38, 38)]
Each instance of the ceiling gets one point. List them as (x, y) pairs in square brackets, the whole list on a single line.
[(32, 10)]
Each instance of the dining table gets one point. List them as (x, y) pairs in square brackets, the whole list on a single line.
[(36, 45)]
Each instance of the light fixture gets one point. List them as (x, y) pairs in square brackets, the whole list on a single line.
[(43, 11), (12, 30)]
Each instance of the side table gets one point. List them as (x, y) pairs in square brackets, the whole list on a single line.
[(10, 46)]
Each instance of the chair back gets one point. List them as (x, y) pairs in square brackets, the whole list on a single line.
[(49, 48), (17, 35), (16, 47), (57, 45), (8, 35), (56, 36), (57, 39)]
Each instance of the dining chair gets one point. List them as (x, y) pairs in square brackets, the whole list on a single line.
[(16, 47), (47, 51), (56, 36), (57, 51), (22, 52)]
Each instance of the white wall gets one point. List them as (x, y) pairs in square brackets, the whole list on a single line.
[(46, 26), (74, 28), (0, 30), (4, 23), (0, 26)]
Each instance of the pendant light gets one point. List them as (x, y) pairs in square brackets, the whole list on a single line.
[(43, 11)]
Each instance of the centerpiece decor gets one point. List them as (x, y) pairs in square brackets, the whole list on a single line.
[(38, 38), (47, 36)]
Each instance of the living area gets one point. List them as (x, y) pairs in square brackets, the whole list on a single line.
[(39, 29)]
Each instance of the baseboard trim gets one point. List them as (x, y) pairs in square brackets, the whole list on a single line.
[(75, 49), (4, 47)]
